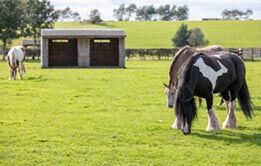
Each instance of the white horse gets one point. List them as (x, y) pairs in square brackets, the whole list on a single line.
[(15, 59)]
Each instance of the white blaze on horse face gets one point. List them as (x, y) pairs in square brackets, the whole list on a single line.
[(210, 73), (170, 97)]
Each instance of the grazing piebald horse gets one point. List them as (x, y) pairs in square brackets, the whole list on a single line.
[(181, 58), (15, 59), (203, 75)]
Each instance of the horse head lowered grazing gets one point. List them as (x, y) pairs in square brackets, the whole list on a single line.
[(15, 59), (202, 75)]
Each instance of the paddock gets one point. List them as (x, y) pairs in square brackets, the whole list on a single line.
[(82, 48), (113, 117)]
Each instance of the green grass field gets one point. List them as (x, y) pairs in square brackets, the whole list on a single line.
[(114, 117), (158, 34)]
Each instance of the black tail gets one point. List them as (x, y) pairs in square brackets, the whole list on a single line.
[(245, 101)]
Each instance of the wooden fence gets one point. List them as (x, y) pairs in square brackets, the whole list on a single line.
[(161, 54)]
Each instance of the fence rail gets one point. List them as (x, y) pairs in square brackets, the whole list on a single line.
[(161, 54)]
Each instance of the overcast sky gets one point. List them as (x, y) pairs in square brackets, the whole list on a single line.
[(198, 8)]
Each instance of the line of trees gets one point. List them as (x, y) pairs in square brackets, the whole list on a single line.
[(67, 14), (24, 18), (149, 12), (236, 14)]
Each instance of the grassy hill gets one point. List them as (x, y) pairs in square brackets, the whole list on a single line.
[(159, 34)]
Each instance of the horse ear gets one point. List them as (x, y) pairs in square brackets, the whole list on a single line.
[(164, 84)]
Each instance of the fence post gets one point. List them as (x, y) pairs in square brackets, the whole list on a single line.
[(252, 52)]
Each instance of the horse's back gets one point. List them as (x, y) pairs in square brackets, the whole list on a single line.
[(16, 53), (211, 50), (232, 58), (215, 72)]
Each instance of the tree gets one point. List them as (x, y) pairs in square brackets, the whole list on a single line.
[(42, 15), (68, 14), (75, 16), (145, 13), (182, 13), (64, 14), (140, 13), (166, 13), (196, 37), (181, 37), (12, 21), (130, 10), (193, 37), (120, 12), (247, 14), (236, 14), (95, 17)]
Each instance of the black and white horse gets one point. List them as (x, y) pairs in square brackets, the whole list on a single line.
[(181, 58), (204, 75)]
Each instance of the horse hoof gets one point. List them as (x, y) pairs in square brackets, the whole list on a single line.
[(173, 127), (211, 129), (229, 126), (186, 132), (176, 127)]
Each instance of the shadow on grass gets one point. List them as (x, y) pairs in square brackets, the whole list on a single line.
[(32, 61), (104, 24), (232, 136), (37, 79)]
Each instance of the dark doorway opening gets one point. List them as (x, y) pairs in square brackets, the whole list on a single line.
[(63, 52), (104, 52)]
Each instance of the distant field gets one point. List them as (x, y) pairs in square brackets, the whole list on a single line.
[(114, 117), (159, 34)]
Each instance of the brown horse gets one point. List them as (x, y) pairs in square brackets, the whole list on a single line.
[(180, 59)]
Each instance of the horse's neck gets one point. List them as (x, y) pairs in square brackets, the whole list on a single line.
[(177, 64)]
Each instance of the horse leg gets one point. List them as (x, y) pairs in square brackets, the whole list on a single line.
[(23, 68), (14, 74), (221, 101), (177, 123), (213, 124), (10, 73), (231, 121), (20, 70)]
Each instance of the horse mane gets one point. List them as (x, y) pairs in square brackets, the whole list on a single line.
[(185, 73), (177, 55), (184, 103)]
